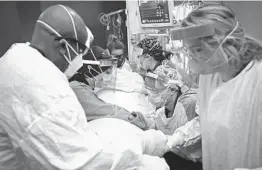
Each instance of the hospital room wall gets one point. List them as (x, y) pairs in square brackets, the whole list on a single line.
[(18, 19), (9, 29), (89, 11), (249, 14)]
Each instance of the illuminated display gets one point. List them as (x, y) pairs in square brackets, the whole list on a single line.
[(154, 12)]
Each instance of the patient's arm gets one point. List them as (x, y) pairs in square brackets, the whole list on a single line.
[(96, 108), (93, 106)]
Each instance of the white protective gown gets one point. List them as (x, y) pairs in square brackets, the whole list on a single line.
[(192, 149), (126, 66), (184, 120), (41, 117), (233, 124)]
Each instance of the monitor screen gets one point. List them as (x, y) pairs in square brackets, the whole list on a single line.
[(154, 13)]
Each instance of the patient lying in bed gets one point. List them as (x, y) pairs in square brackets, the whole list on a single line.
[(129, 93)]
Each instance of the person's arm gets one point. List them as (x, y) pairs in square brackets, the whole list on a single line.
[(190, 132), (95, 108), (186, 130), (48, 123), (188, 135), (156, 143), (188, 139)]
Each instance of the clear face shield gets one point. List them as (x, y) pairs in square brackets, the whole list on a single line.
[(192, 34), (203, 58), (104, 74), (105, 84), (161, 89), (107, 80)]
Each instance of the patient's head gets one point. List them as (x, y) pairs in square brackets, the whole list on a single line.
[(116, 49)]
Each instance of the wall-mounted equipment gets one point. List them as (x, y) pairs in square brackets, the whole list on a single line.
[(155, 13), (113, 20)]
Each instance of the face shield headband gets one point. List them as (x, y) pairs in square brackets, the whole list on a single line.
[(68, 46), (200, 31), (156, 83), (220, 48)]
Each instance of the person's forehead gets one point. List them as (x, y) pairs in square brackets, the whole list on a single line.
[(117, 52)]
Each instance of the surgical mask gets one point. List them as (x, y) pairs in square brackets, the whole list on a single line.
[(220, 50), (159, 99), (155, 98), (155, 82), (74, 64)]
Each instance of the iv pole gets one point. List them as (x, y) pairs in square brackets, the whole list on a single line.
[(115, 12)]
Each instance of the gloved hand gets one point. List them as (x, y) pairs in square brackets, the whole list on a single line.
[(140, 120), (175, 141)]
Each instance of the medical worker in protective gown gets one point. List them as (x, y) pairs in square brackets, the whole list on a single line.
[(231, 125), (43, 125), (153, 56), (176, 111), (173, 93)]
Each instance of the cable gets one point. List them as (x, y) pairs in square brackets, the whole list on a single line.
[(116, 23), (105, 20)]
